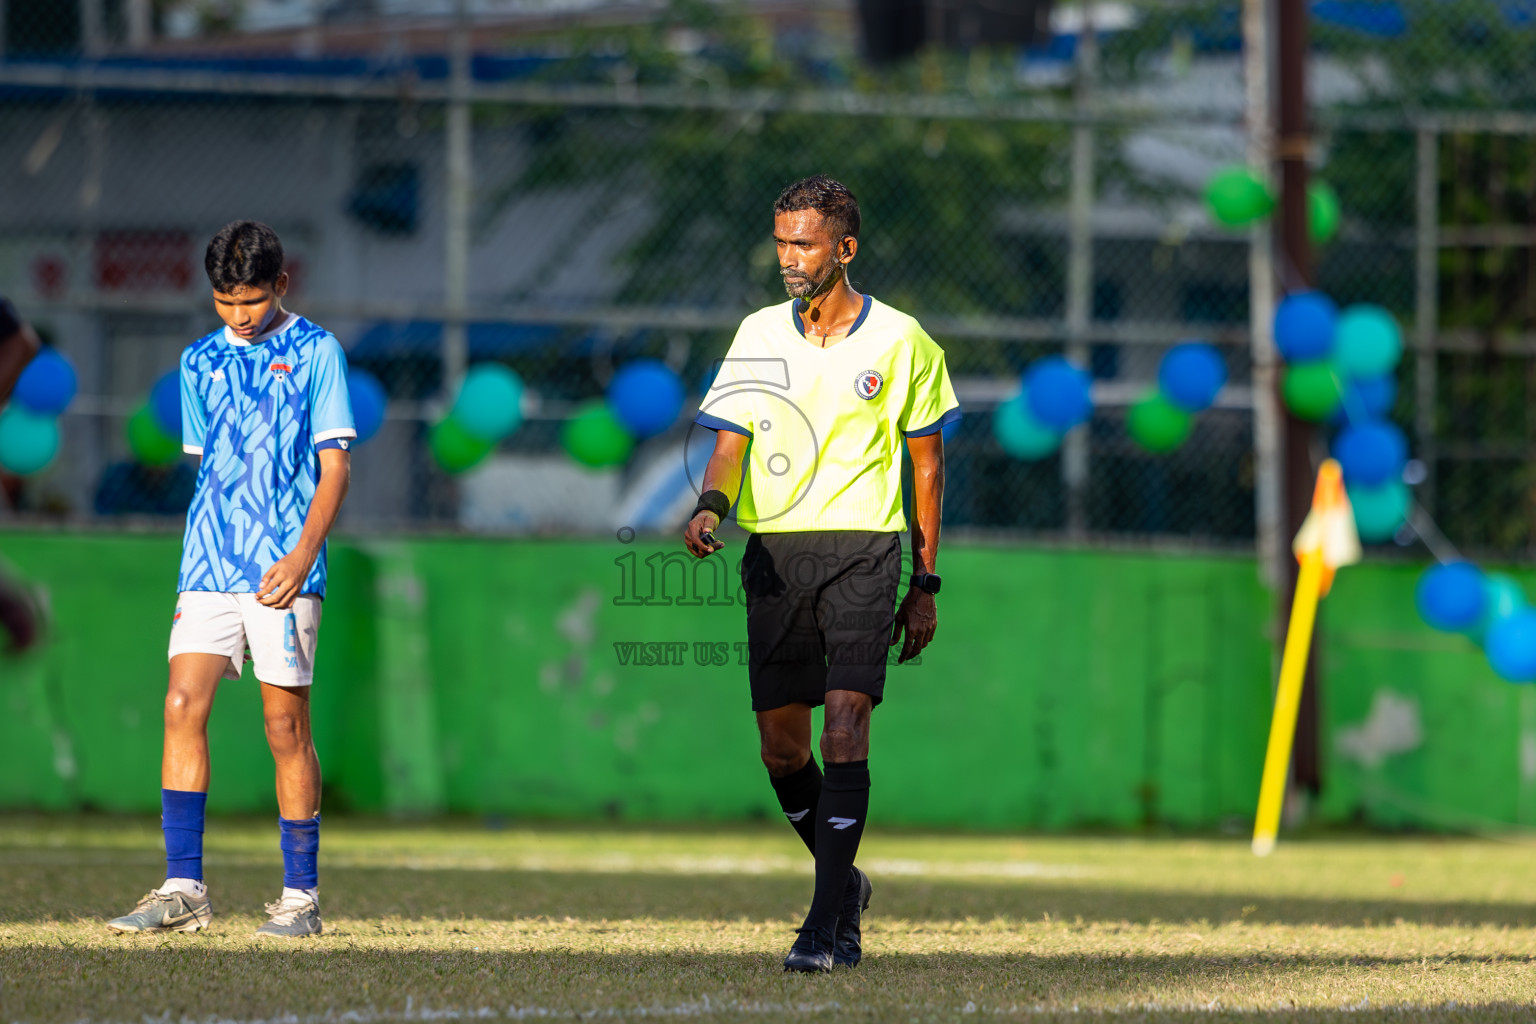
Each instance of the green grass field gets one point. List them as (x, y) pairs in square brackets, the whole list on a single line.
[(454, 921)]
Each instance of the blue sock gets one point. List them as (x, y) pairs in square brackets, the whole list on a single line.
[(181, 819), (301, 850)]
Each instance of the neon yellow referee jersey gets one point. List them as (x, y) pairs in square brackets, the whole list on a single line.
[(827, 426)]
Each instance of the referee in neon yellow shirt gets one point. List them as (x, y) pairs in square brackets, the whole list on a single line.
[(810, 411)]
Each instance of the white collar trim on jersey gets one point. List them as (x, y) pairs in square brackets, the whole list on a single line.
[(278, 328)]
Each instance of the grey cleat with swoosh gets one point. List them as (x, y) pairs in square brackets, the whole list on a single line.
[(166, 912), (292, 918)]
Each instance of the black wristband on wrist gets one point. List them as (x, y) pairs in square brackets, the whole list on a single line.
[(713, 501)]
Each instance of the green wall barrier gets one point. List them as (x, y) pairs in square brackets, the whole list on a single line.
[(590, 679), (587, 679), (1421, 732)]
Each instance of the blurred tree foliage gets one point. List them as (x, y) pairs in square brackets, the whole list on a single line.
[(936, 194)]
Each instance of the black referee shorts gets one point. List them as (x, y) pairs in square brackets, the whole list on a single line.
[(820, 607)]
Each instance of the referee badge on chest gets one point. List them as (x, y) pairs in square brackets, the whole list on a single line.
[(868, 384)]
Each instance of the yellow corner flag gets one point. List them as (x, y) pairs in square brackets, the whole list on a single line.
[(1327, 540)]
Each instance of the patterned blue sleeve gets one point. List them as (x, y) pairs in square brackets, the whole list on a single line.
[(330, 403), (194, 417)]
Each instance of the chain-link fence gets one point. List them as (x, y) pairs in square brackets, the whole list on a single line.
[(608, 190)]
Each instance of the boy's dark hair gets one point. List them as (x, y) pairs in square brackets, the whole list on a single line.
[(826, 196), (243, 253)]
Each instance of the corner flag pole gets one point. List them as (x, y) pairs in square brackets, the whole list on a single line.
[(1282, 728), (1327, 540)]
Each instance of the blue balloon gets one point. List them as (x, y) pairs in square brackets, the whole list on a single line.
[(368, 402), (646, 396), (1370, 454), (1380, 510), (1451, 597), (1511, 647), (1020, 434), (1057, 394), (47, 385), (1368, 342), (165, 403), (1304, 326), (1366, 398), (28, 442), (1191, 374), (490, 402)]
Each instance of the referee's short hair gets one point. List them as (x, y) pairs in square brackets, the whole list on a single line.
[(245, 252), (828, 197)]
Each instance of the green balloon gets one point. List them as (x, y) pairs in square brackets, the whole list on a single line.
[(1322, 212), (1157, 424), (1379, 511), (455, 448), (1237, 197), (595, 437), (28, 442), (1311, 390), (151, 445), (1020, 434)]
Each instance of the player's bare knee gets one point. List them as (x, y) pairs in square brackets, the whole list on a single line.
[(287, 732), (184, 709)]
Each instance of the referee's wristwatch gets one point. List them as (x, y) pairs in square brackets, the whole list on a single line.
[(928, 582)]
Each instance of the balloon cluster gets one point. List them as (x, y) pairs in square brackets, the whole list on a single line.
[(1055, 397), (29, 426), (154, 429), (644, 398), (1188, 380), (1458, 597), (1340, 367), (487, 409), (1237, 197)]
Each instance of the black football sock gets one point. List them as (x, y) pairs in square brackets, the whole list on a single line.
[(799, 792), (839, 826)]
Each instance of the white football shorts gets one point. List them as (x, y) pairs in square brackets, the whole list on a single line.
[(280, 642)]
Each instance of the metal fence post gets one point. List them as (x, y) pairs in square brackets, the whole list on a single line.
[(1074, 454), (140, 18), (459, 195), (1267, 487), (1426, 311), (1293, 146)]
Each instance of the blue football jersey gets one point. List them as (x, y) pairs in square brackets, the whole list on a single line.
[(256, 413)]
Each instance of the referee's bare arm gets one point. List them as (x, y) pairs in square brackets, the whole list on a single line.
[(918, 616), (722, 474)]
